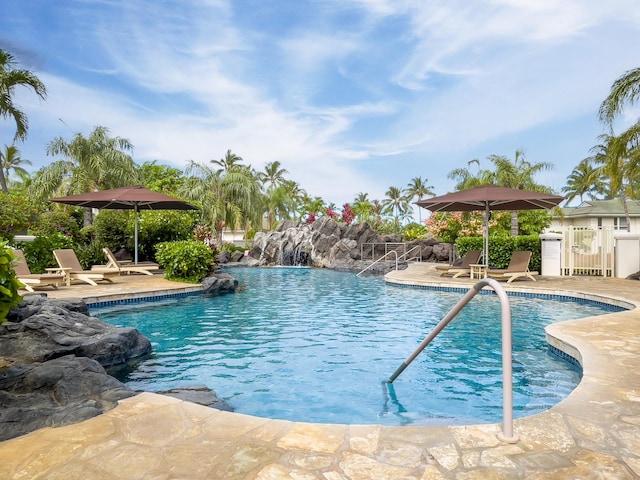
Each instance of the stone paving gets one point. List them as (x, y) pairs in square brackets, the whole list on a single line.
[(593, 434)]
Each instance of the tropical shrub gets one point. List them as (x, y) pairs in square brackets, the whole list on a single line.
[(39, 252), (56, 221), (414, 231), (16, 214), (9, 284), (155, 227), (113, 229), (186, 260)]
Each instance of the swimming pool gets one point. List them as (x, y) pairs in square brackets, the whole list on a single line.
[(315, 345)]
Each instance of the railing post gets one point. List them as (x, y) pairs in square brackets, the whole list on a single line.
[(507, 434)]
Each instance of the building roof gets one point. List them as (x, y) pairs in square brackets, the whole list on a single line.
[(602, 208)]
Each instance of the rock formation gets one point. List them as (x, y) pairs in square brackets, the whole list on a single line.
[(327, 243), (52, 359)]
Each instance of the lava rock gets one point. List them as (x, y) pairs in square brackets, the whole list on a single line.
[(47, 329), (59, 392), (219, 283), (200, 394)]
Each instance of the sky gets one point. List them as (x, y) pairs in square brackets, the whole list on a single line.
[(350, 96)]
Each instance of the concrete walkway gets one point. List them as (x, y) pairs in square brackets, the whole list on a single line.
[(592, 434)]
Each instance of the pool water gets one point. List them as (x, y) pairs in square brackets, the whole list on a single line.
[(316, 345)]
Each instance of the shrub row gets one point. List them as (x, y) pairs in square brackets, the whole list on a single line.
[(501, 248)]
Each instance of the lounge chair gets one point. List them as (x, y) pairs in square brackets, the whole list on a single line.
[(518, 268), (125, 267), (464, 268), (68, 260), (31, 280)]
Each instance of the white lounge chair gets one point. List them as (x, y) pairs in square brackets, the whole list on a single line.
[(68, 260), (145, 268)]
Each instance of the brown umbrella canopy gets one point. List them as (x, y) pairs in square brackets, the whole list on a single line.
[(487, 198), (134, 198), (492, 196)]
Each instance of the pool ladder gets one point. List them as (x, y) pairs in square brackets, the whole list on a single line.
[(507, 434)]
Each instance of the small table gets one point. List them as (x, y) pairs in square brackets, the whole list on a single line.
[(478, 270), (64, 271)]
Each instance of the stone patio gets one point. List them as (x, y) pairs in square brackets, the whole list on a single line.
[(593, 434)]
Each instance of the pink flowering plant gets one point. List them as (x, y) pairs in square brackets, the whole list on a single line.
[(447, 226)]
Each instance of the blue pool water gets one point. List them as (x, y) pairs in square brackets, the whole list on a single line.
[(315, 345)]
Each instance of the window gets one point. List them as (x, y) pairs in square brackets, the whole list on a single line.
[(620, 223)]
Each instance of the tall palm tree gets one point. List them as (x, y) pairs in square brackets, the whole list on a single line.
[(231, 200), (518, 174), (396, 203), (625, 90), (619, 161), (585, 179), (10, 78), (10, 159), (419, 188), (273, 175), (98, 162), (229, 161)]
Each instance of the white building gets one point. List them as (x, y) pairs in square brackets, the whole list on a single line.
[(598, 214)]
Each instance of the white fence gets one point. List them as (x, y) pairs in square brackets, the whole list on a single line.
[(587, 251)]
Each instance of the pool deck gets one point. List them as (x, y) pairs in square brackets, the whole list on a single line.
[(593, 434)]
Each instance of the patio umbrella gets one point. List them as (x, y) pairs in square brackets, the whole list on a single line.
[(490, 197), (134, 198)]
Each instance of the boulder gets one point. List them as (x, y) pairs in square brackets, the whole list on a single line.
[(200, 394), (40, 330), (223, 257), (58, 392), (219, 282)]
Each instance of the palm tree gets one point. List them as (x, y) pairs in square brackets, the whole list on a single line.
[(467, 180), (518, 174), (10, 160), (232, 199), (273, 175), (98, 162), (585, 179), (618, 158), (10, 78), (361, 206), (229, 161), (419, 188), (396, 203), (625, 90)]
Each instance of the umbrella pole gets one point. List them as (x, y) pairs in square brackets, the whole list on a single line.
[(486, 234), (135, 232)]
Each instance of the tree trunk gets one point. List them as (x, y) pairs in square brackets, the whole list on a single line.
[(88, 217), (514, 223), (623, 197), (3, 182)]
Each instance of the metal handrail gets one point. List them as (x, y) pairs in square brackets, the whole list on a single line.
[(380, 259), (507, 434), (404, 255)]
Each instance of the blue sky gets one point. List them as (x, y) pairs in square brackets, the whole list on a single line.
[(349, 95)]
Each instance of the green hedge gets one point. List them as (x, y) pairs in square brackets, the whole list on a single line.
[(187, 260), (501, 248)]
